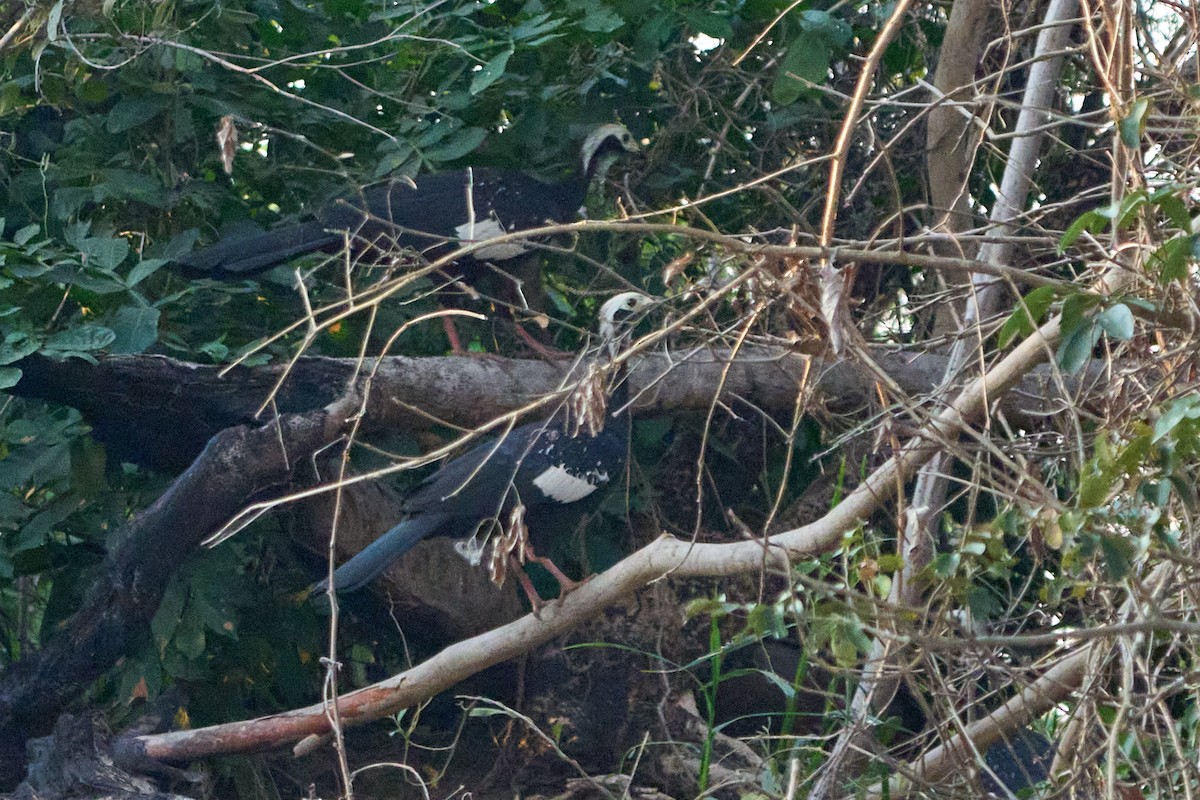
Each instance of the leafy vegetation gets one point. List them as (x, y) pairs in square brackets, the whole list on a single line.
[(1048, 521)]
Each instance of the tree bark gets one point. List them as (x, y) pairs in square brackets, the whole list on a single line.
[(160, 413), (130, 583)]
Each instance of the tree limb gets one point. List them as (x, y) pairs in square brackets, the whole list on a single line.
[(131, 581), (665, 556), (159, 412)]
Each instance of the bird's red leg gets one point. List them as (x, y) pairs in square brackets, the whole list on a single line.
[(452, 334), (535, 599), (543, 350), (565, 585)]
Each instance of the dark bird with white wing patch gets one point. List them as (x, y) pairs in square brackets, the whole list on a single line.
[(430, 215), (504, 483)]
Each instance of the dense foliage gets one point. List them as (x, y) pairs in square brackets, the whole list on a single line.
[(112, 168)]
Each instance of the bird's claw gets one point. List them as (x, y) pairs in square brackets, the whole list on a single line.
[(566, 585)]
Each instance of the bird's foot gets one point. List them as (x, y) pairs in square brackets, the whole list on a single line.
[(565, 585), (535, 600)]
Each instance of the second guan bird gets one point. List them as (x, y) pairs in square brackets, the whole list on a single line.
[(509, 482), (430, 214)]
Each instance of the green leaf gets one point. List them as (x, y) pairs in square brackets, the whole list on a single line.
[(142, 270), (1129, 207), (432, 134), (1133, 454), (104, 253), (805, 62), (974, 547), (1074, 308), (134, 110), (1179, 409), (783, 685), (189, 638), (490, 73), (397, 157), (1024, 320), (1133, 124), (18, 345), (216, 618), (84, 339), (180, 245), (97, 281), (535, 27), (170, 610), (23, 236), (125, 184), (982, 603), (835, 30), (1116, 321), (1185, 488), (1118, 555), (1091, 221), (1169, 203), (844, 652), (1095, 487), (459, 145), (135, 329), (54, 21), (715, 25), (598, 18), (9, 377), (1174, 256), (217, 350), (67, 201), (1076, 348), (487, 711)]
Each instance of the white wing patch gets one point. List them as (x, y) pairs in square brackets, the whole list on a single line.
[(563, 487), (489, 228)]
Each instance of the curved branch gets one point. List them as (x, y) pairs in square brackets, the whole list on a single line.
[(662, 557), (120, 602)]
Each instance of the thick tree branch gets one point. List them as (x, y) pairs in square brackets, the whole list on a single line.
[(160, 413), (130, 583), (951, 141), (665, 556)]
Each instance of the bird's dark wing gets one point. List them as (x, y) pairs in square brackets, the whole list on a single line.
[(381, 553), (236, 256), (427, 214), (465, 205), (535, 464)]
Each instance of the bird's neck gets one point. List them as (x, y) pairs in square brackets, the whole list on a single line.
[(596, 169), (593, 170), (618, 395)]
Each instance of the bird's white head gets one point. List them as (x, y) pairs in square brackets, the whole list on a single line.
[(618, 314), (603, 146)]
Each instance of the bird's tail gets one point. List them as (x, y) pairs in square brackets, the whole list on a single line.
[(379, 554), (243, 255)]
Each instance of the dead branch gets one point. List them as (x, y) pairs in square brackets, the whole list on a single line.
[(665, 556)]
